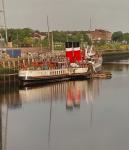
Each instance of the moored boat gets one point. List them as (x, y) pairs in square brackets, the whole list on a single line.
[(57, 68)]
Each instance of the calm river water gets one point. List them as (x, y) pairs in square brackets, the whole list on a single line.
[(76, 115)]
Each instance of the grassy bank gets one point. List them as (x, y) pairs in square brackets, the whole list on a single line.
[(7, 70), (7, 74)]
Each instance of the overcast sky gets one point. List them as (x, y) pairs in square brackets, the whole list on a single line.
[(112, 15)]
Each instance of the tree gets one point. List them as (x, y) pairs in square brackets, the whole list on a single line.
[(117, 36), (59, 36), (126, 37)]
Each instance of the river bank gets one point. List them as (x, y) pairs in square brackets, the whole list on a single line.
[(112, 55)]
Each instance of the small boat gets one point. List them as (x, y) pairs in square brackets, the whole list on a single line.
[(60, 68)]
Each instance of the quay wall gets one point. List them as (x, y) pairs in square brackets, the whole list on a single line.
[(112, 55)]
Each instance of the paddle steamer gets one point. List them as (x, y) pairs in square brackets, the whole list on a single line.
[(73, 65)]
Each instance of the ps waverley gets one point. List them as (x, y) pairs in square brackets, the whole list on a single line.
[(74, 65)]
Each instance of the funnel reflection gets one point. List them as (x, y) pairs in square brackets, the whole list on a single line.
[(72, 92), (73, 96), (78, 91)]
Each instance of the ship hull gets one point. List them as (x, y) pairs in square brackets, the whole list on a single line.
[(33, 81), (55, 75)]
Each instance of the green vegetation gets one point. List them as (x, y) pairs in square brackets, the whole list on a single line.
[(120, 37), (30, 38), (117, 36), (80, 36), (27, 37), (5, 71), (61, 37), (19, 37), (119, 41), (111, 46)]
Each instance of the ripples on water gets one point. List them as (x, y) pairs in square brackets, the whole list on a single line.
[(75, 115)]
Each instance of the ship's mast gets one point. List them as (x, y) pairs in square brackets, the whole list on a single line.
[(3, 19), (90, 24), (52, 43), (48, 33), (90, 30)]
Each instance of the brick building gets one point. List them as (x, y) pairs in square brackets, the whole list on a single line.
[(39, 35), (99, 34)]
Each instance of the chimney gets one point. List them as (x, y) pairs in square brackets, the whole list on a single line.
[(69, 51), (77, 52)]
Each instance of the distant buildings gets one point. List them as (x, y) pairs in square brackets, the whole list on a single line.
[(99, 34), (39, 35)]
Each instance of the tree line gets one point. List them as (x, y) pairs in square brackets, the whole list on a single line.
[(119, 36), (27, 37)]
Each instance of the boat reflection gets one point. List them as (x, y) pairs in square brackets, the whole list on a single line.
[(73, 92), (73, 96), (10, 96), (9, 99), (85, 91)]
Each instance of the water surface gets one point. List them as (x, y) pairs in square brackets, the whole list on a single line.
[(75, 115)]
